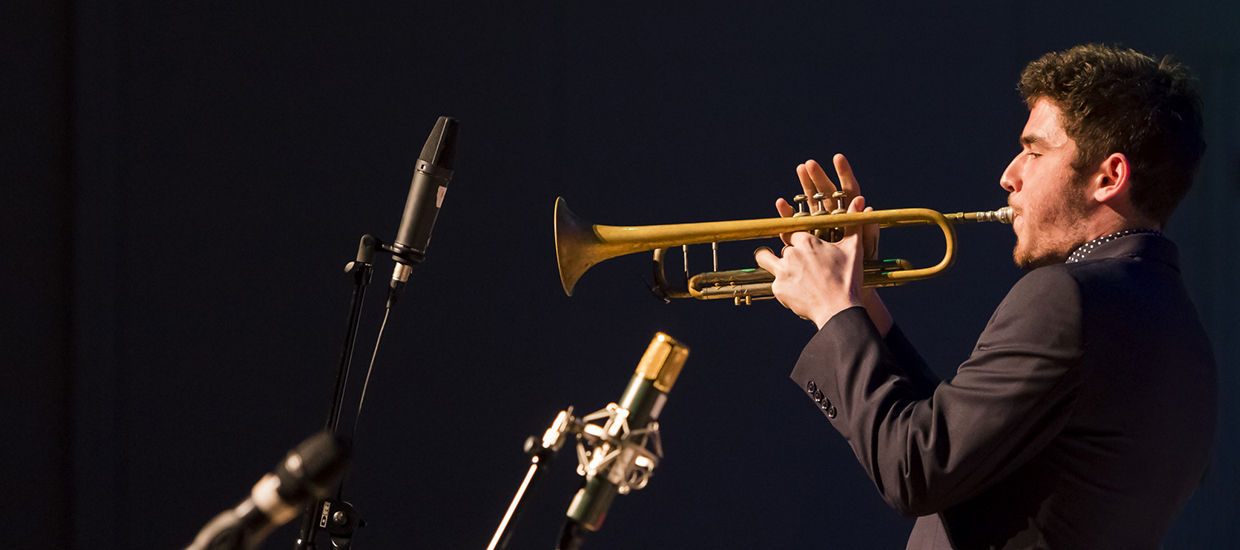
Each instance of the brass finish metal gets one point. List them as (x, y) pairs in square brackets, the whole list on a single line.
[(662, 361), (746, 285), (580, 244)]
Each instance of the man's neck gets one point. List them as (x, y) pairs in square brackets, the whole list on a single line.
[(1106, 221)]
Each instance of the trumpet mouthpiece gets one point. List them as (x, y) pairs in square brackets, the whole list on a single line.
[(1002, 215)]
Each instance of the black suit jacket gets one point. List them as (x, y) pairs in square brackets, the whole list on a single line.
[(1084, 418)]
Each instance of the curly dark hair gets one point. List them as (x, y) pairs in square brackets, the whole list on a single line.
[(1115, 100)]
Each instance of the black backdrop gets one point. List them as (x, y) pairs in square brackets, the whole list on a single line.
[(185, 182)]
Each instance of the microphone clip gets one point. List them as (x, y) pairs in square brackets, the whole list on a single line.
[(627, 456)]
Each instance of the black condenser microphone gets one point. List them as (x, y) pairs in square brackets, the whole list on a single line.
[(426, 192), (643, 400), (307, 474)]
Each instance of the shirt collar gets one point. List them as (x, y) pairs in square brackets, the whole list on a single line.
[(1148, 243)]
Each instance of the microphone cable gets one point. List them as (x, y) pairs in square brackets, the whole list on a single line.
[(366, 383)]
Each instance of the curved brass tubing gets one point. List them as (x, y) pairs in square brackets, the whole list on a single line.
[(579, 244)]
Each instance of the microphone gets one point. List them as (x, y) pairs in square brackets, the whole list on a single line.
[(430, 183), (306, 474), (621, 462)]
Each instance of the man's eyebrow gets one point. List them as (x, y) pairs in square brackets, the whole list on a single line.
[(1030, 139)]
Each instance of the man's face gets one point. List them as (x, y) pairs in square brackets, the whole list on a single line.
[(1047, 201)]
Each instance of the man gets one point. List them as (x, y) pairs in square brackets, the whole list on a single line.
[(1085, 416)]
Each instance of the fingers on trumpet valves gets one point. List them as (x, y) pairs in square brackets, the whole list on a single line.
[(814, 179), (836, 234), (819, 188)]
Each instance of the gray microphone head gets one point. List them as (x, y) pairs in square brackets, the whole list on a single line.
[(440, 148)]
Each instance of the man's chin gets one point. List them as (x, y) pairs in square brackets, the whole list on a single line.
[(1026, 259)]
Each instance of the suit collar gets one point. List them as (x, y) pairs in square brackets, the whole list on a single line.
[(1152, 246)]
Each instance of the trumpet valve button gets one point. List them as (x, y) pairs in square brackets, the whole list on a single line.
[(800, 200), (839, 196), (819, 198)]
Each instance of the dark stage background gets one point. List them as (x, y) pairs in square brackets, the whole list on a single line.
[(184, 182)]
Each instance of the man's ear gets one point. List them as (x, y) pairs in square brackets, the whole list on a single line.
[(1112, 178)]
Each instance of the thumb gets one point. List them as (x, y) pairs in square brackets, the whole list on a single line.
[(785, 211), (766, 259), (857, 205)]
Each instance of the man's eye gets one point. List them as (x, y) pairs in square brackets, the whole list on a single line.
[(1033, 154)]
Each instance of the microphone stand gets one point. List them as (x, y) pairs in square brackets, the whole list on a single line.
[(541, 455), (338, 517), (426, 192), (425, 196), (632, 462), (335, 515)]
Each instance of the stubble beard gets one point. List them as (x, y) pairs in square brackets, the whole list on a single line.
[(1047, 255), (1041, 253)]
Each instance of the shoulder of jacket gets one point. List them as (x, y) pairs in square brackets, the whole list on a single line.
[(1052, 291), (1058, 277)]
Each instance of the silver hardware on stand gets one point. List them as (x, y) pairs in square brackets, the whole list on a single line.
[(616, 444), (598, 446)]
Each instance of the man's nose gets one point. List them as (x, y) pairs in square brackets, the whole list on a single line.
[(1010, 181)]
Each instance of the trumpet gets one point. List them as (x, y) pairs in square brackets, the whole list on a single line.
[(579, 245)]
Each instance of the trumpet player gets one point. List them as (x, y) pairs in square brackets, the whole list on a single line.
[(1085, 416)]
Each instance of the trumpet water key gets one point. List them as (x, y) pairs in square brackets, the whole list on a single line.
[(579, 245)]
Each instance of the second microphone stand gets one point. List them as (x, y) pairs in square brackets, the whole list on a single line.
[(426, 192), (339, 517)]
